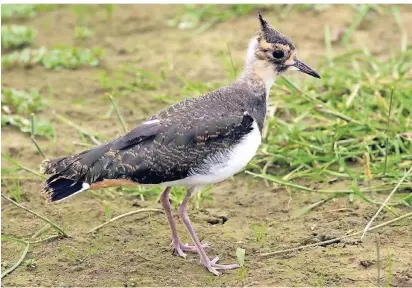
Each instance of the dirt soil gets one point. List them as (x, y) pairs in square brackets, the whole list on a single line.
[(135, 251)]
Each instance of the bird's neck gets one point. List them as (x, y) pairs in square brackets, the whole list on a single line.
[(256, 80), (257, 73)]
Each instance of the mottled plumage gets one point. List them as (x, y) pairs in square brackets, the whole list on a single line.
[(192, 143), (173, 143)]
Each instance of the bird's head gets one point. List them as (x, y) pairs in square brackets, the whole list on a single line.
[(276, 51)]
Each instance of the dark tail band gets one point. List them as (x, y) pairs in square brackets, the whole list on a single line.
[(58, 188)]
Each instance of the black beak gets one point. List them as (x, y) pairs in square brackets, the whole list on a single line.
[(306, 69)]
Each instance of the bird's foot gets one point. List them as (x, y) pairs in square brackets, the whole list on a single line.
[(213, 267), (179, 248)]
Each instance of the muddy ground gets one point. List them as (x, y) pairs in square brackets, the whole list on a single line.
[(135, 251)]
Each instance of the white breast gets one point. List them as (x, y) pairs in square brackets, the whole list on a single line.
[(222, 165)]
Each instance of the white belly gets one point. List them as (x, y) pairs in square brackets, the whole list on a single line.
[(222, 165)]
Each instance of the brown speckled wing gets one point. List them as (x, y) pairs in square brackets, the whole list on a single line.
[(178, 148)]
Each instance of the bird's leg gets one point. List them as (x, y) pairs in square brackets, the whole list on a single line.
[(176, 244), (204, 259), (164, 198)]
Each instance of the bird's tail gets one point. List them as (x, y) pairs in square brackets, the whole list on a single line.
[(76, 173), (58, 188), (99, 167)]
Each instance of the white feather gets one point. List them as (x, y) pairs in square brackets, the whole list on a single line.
[(261, 68), (250, 55), (222, 165), (151, 122)]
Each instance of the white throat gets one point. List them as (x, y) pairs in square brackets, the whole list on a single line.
[(256, 68)]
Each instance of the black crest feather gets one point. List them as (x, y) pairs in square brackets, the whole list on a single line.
[(271, 35), (263, 23)]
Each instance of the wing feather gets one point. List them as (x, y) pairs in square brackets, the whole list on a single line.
[(89, 165)]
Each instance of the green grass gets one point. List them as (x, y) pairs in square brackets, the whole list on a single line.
[(23, 102), (85, 13), (23, 11), (13, 188), (58, 58), (129, 79), (242, 271), (260, 232), (19, 11), (18, 105), (81, 33), (15, 36), (41, 128), (71, 58)]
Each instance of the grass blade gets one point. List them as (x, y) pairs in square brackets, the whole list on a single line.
[(378, 257), (398, 19), (387, 134), (386, 201), (119, 116), (328, 45), (56, 227), (91, 136), (18, 164), (17, 264), (240, 254), (310, 207), (33, 139), (358, 19), (124, 215), (231, 60)]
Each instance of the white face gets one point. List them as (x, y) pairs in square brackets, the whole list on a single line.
[(293, 68)]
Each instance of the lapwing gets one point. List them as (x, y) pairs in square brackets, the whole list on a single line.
[(193, 143)]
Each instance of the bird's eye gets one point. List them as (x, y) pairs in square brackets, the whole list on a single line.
[(278, 54)]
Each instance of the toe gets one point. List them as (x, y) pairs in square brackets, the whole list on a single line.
[(225, 267), (188, 248), (213, 267), (191, 248), (206, 245), (213, 270), (179, 252)]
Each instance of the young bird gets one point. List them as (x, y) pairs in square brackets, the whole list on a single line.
[(192, 143)]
